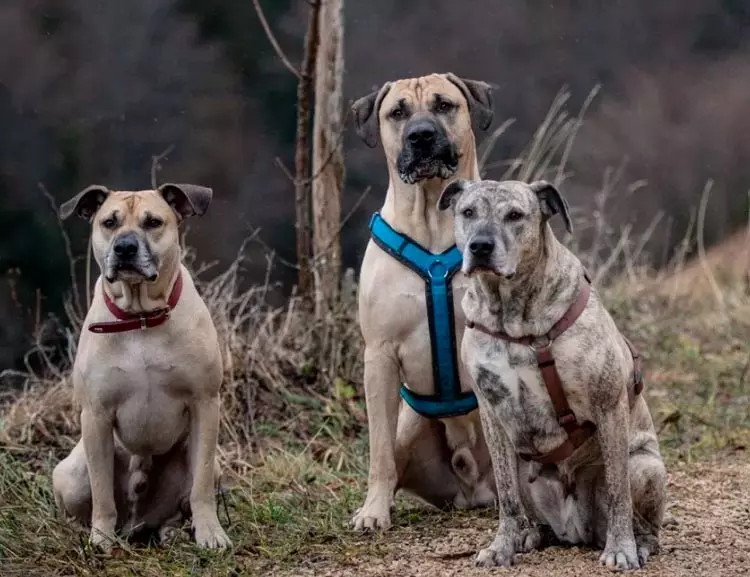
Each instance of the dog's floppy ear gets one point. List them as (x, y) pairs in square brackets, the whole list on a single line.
[(187, 199), (85, 203), (366, 115), (551, 202), (450, 194), (478, 94)]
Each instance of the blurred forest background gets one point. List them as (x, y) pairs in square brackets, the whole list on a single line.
[(90, 91)]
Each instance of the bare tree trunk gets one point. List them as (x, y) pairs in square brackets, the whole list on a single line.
[(302, 152), (328, 161)]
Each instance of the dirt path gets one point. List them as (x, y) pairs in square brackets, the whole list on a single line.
[(711, 538)]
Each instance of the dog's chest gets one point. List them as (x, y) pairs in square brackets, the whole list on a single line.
[(509, 381), (396, 309), (148, 388)]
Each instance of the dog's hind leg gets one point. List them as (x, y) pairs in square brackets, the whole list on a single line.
[(470, 461), (648, 482), (427, 471), (170, 527), (71, 486)]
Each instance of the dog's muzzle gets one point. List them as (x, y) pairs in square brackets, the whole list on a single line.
[(129, 259), (426, 152), (481, 255)]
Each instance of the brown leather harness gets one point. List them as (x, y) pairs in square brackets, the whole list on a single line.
[(578, 433)]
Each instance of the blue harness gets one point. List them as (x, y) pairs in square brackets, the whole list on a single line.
[(437, 270)]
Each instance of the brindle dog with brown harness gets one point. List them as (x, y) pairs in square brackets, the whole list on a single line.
[(572, 442)]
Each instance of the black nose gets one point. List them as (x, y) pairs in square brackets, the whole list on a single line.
[(126, 246), (421, 133), (481, 246)]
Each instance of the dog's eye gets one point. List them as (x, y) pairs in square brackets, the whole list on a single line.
[(467, 212), (514, 216), (444, 106), (109, 223), (397, 114), (152, 222)]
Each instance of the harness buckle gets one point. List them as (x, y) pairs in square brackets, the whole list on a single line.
[(566, 418), (144, 325)]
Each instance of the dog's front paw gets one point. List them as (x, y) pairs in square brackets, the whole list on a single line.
[(501, 552), (209, 534), (530, 540), (495, 555), (102, 539), (372, 517), (620, 556)]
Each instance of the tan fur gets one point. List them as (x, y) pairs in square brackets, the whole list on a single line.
[(407, 450), (611, 491), (149, 398)]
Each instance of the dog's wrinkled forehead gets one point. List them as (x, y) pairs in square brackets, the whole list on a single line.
[(134, 205), (420, 94), (497, 195)]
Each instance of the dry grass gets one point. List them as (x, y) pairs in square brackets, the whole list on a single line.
[(293, 436)]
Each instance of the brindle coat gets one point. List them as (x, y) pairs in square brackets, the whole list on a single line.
[(611, 492)]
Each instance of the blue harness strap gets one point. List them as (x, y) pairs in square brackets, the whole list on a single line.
[(437, 270)]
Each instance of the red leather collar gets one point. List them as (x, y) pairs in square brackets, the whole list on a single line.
[(128, 321)]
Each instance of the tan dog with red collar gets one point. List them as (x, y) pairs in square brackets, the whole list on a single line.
[(147, 374)]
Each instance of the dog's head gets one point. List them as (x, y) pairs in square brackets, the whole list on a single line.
[(425, 123), (500, 226), (135, 233)]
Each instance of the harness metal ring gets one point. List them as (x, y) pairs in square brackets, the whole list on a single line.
[(535, 346)]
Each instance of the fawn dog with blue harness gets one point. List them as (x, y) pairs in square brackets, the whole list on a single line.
[(431, 444), (437, 270)]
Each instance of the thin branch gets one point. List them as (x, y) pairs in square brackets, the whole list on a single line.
[(67, 244), (344, 221), (274, 42), (489, 144), (284, 169), (571, 138), (329, 158), (701, 247), (255, 231), (155, 164)]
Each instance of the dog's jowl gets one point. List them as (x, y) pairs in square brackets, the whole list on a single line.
[(572, 442), (432, 443), (147, 375)]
